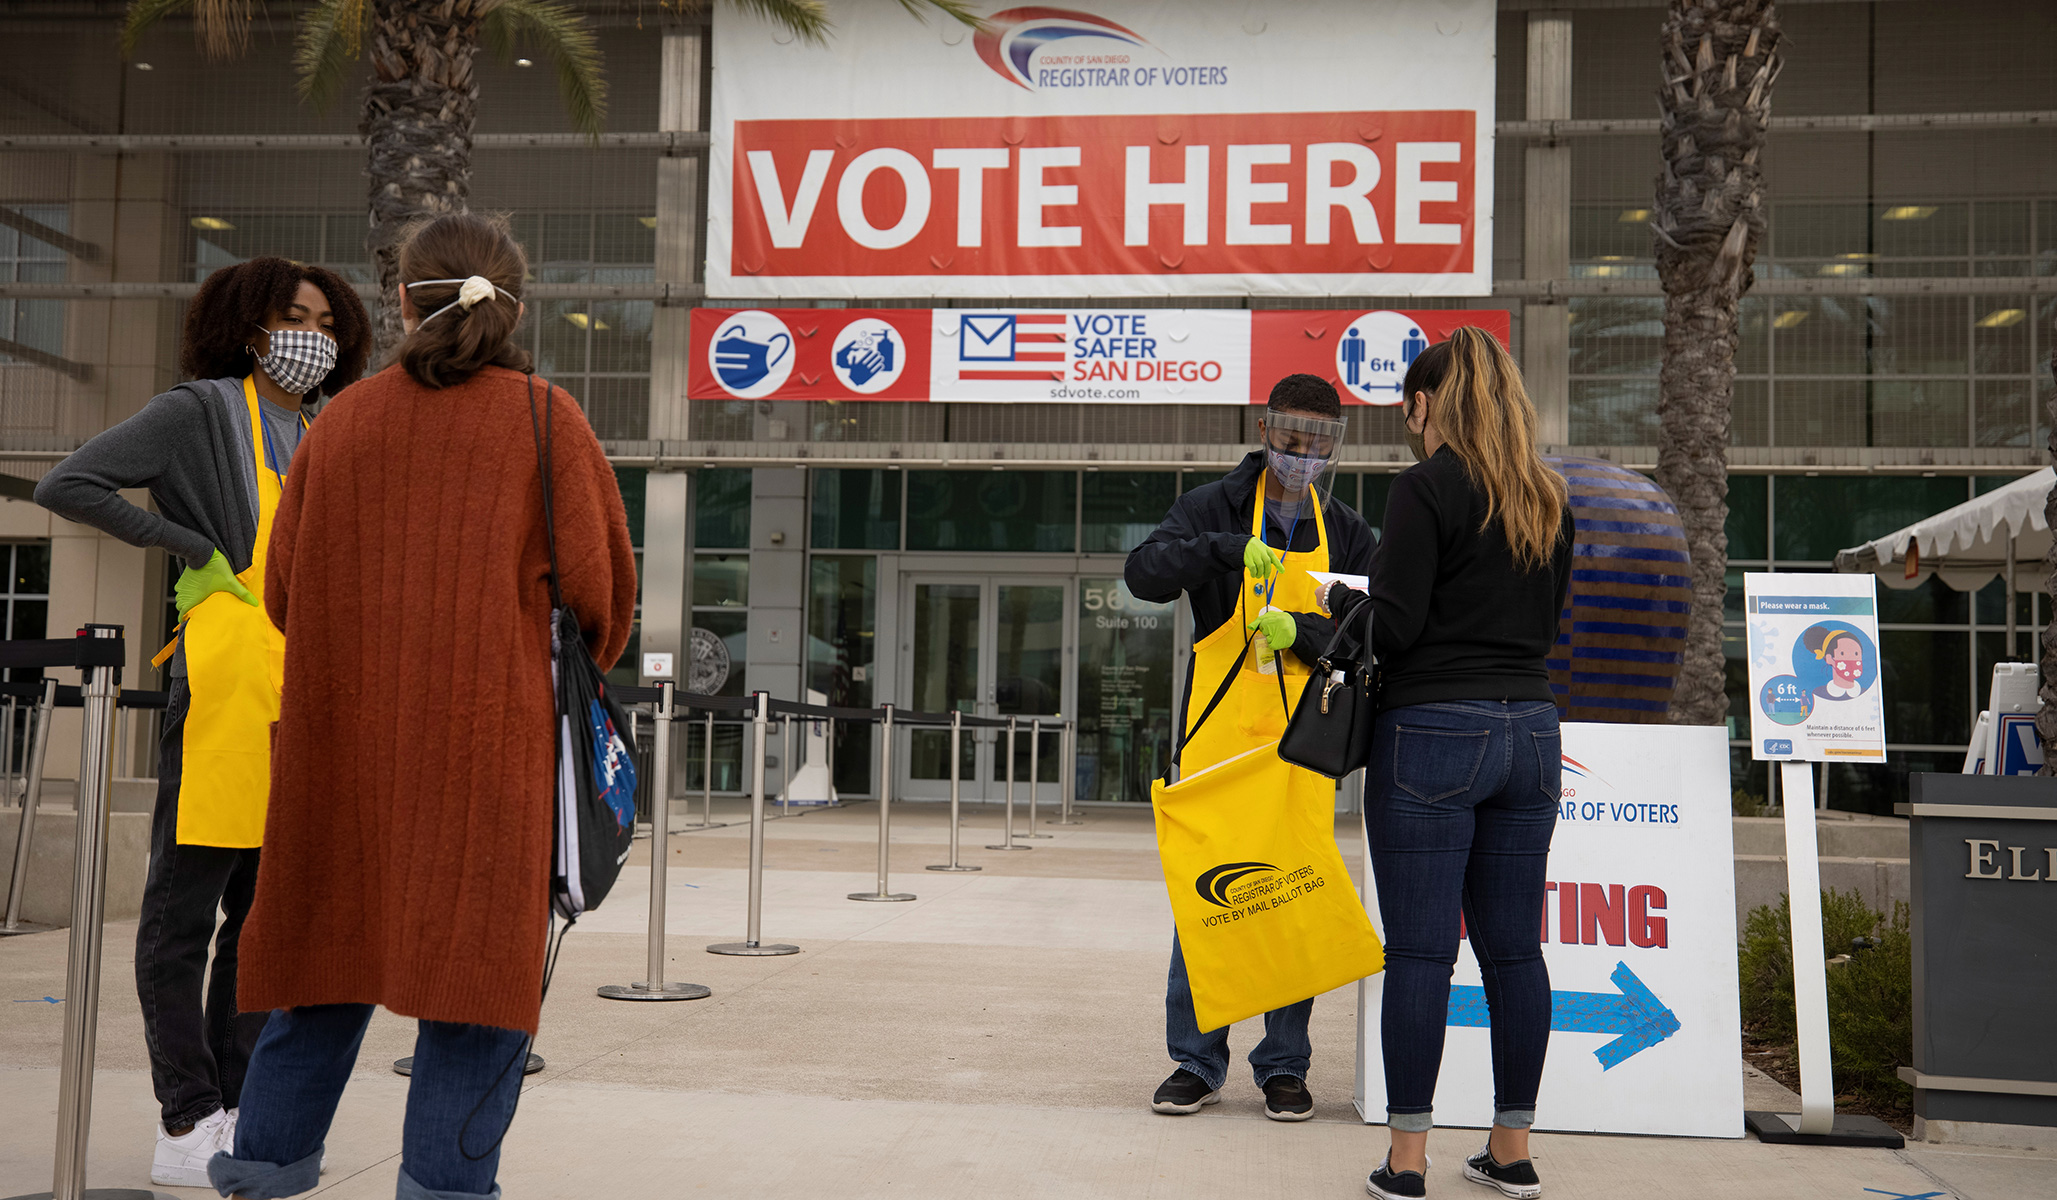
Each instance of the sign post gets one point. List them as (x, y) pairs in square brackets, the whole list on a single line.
[(1816, 696)]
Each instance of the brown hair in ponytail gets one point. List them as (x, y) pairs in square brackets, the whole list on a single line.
[(1484, 414), (453, 347)]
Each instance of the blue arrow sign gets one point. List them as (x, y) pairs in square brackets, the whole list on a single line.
[(1636, 1017)]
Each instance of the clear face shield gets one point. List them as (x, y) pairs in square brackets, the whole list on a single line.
[(1300, 454)]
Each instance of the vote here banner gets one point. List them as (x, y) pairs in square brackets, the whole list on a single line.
[(1339, 147), (1060, 355)]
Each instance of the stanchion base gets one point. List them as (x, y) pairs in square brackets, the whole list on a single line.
[(31, 927), (1033, 835), (881, 897), (1055, 821), (752, 949), (1783, 1129), (405, 1066), (953, 867), (1010, 846), (102, 1194), (643, 991)]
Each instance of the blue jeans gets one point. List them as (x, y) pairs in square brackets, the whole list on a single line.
[(1282, 1051), (462, 1074), (1461, 802)]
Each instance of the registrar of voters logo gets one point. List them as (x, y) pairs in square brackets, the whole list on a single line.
[(752, 353), (1373, 354), (868, 356), (1010, 40)]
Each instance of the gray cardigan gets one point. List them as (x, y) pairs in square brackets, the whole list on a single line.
[(191, 447)]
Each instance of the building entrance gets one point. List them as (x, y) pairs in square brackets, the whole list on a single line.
[(1036, 646)]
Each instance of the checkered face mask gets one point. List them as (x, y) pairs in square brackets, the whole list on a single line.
[(299, 359)]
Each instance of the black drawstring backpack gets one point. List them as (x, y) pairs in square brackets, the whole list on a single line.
[(595, 821)]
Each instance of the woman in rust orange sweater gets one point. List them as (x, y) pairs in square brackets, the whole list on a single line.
[(408, 840)]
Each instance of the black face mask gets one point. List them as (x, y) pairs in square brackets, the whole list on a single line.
[(1416, 441)]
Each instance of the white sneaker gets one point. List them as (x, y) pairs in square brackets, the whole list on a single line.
[(228, 1139), (182, 1161)]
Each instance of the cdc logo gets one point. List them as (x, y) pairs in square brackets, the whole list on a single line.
[(1373, 353), (752, 353)]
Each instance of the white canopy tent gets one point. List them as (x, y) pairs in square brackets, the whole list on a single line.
[(2003, 533)]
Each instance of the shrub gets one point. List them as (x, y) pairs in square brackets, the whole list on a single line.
[(1870, 996)]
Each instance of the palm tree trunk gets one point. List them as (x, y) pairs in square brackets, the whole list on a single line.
[(1720, 59), (419, 111)]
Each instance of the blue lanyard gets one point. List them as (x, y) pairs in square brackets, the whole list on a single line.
[(271, 453), (1271, 585)]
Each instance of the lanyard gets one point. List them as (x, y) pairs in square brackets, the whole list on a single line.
[(271, 451), (1271, 585)]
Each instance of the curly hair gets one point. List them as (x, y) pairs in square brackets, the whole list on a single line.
[(237, 301)]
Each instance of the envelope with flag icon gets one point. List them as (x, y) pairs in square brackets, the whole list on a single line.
[(986, 337)]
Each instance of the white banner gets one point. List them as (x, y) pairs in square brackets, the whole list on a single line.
[(1639, 930), (1135, 148)]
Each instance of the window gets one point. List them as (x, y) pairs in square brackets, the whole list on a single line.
[(856, 509), (37, 324), (992, 510)]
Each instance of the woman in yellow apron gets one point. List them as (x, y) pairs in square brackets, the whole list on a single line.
[(261, 337), (1240, 549)]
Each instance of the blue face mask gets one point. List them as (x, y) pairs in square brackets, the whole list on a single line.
[(1293, 471)]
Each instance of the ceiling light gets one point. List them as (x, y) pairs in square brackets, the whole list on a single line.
[(1858, 255), (1909, 212), (1630, 216), (2001, 318), (1842, 268), (648, 222), (586, 321), (210, 223), (1612, 258), (1601, 271), (1789, 318), (145, 67), (524, 62)]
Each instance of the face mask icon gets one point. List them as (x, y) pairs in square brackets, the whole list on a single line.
[(742, 363)]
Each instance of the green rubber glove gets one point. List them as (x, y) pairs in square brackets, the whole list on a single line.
[(1261, 560), (198, 583), (1278, 629)]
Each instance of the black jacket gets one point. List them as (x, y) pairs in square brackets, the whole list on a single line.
[(1198, 550), (1455, 618)]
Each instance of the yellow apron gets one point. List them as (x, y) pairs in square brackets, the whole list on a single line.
[(1265, 910), (1252, 712), (235, 668)]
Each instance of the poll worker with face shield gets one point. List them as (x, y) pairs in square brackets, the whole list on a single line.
[(1241, 549)]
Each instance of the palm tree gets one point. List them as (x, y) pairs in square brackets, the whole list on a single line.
[(2046, 712), (421, 103), (1720, 60)]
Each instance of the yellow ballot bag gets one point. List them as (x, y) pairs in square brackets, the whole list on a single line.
[(1266, 913)]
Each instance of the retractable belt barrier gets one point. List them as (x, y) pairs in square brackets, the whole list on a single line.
[(761, 708), (98, 652)]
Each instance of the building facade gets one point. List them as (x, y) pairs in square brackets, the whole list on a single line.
[(1894, 359)]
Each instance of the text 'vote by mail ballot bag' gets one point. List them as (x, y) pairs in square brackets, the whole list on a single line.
[(1265, 909)]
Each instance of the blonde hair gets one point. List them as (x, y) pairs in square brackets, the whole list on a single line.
[(1486, 417)]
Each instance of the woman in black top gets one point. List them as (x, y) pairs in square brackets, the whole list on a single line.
[(1463, 789)]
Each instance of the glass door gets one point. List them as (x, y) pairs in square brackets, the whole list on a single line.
[(945, 624), (985, 647), (1125, 691)]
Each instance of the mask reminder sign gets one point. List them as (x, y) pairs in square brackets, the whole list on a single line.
[(1814, 668)]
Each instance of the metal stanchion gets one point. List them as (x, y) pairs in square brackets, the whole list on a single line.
[(786, 764), (1007, 834), (956, 770), (25, 836), (88, 908), (751, 945), (7, 752), (1035, 776), (707, 777), (885, 812), (1067, 775), (653, 986)]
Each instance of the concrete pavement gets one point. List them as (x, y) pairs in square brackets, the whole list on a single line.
[(999, 1036)]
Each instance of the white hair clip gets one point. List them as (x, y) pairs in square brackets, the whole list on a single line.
[(469, 292)]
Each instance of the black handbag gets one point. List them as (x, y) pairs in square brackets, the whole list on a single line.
[(1330, 732), (595, 790)]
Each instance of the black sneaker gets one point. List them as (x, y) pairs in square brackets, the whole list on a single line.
[(1286, 1098), (1184, 1092), (1516, 1179), (1397, 1185)]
